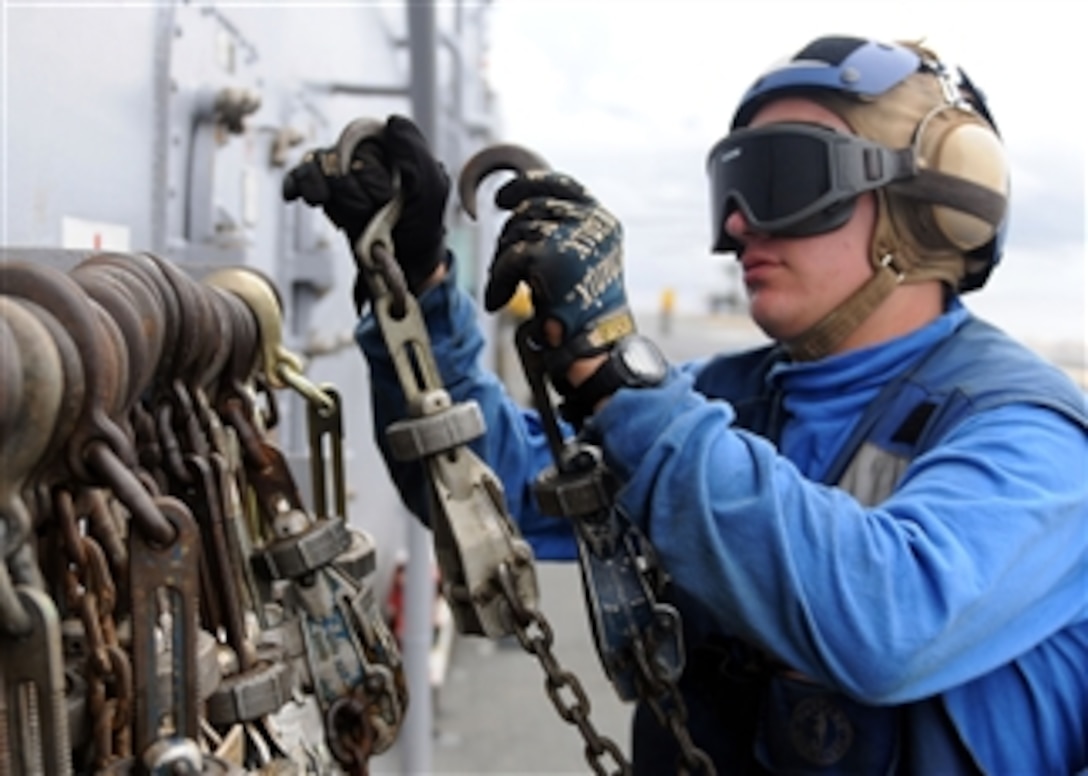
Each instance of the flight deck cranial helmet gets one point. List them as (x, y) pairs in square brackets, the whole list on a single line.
[(925, 143)]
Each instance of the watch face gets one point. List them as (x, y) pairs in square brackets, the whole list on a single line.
[(643, 360)]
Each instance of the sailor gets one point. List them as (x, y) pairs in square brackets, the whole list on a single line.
[(876, 528)]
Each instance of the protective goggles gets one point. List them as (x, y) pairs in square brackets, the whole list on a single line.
[(795, 180)]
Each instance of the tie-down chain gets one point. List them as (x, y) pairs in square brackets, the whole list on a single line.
[(638, 637), (167, 602), (487, 569)]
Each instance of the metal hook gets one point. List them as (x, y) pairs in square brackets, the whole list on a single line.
[(374, 249), (282, 368), (503, 156)]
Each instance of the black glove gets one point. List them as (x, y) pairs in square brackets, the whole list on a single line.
[(569, 250), (351, 201)]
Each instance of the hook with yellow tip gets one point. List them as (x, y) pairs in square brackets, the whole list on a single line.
[(280, 366)]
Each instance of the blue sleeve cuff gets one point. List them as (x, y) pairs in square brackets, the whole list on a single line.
[(633, 420)]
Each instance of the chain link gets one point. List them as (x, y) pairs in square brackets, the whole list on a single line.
[(535, 635), (351, 733)]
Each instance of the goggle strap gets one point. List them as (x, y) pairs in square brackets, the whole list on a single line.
[(883, 166), (937, 188)]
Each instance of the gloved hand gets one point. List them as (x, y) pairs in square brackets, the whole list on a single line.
[(351, 201), (569, 250)]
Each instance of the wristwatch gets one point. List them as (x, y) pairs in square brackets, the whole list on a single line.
[(633, 362)]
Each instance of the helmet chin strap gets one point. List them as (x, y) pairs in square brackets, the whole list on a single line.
[(823, 337)]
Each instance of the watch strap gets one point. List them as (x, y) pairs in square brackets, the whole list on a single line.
[(578, 403)]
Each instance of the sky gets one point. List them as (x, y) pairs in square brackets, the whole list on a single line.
[(628, 71), (629, 95)]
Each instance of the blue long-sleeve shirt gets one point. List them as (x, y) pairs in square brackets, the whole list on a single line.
[(970, 581)]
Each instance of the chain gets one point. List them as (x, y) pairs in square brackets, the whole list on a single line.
[(91, 593), (620, 576), (535, 635), (144, 512), (632, 583), (154, 513), (476, 542), (661, 694)]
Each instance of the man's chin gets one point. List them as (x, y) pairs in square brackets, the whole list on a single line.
[(774, 321)]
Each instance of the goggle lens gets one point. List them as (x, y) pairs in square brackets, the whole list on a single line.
[(776, 176)]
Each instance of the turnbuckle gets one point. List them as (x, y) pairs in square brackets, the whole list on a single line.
[(638, 637), (621, 578), (474, 535)]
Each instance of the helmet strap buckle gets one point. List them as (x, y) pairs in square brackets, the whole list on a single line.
[(888, 261)]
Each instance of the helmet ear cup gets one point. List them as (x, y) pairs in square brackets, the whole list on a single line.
[(970, 151)]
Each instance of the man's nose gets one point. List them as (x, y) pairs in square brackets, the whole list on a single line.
[(736, 226)]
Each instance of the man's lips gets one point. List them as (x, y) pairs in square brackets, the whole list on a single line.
[(756, 267)]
